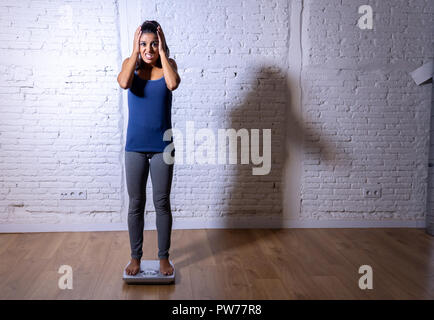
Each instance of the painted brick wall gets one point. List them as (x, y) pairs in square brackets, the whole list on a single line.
[(232, 60), (369, 121), (61, 125), (62, 117), (60, 114)]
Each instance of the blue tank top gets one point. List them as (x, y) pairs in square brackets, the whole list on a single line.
[(149, 115)]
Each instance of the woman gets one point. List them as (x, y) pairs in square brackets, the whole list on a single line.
[(151, 76)]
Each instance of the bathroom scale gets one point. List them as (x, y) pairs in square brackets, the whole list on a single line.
[(149, 273)]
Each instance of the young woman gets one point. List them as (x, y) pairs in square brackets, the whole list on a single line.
[(151, 76)]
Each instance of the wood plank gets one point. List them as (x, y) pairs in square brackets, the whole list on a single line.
[(225, 264)]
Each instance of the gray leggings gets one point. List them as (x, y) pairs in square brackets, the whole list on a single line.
[(137, 167)]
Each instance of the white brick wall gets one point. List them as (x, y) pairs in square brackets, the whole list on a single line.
[(229, 54), (60, 116), (62, 123), (363, 108)]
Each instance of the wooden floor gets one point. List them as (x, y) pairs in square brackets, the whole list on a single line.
[(224, 264)]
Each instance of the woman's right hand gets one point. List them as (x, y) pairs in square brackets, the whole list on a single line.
[(136, 44)]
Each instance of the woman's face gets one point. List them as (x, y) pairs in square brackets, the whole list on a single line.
[(149, 48)]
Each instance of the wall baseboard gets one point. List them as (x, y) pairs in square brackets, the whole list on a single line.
[(216, 223)]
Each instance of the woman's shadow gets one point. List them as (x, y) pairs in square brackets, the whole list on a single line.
[(256, 200)]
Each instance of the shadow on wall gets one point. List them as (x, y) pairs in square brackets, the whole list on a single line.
[(264, 106)]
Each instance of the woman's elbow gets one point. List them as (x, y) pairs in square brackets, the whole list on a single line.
[(172, 88), (123, 84)]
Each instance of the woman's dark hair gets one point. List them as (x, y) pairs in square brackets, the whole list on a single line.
[(150, 26)]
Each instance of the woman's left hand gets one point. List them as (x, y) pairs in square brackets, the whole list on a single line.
[(161, 40)]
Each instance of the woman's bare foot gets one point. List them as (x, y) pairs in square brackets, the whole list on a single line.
[(165, 267), (134, 267)]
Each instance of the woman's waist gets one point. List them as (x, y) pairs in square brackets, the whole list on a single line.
[(151, 126)]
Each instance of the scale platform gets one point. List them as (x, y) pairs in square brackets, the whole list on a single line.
[(149, 274)]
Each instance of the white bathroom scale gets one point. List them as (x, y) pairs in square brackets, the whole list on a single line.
[(149, 273)]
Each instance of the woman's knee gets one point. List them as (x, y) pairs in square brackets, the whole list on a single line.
[(162, 202), (137, 204)]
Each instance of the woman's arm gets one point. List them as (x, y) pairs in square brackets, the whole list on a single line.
[(125, 77), (170, 70)]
